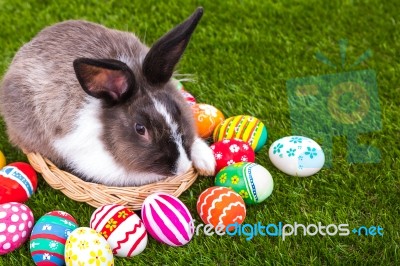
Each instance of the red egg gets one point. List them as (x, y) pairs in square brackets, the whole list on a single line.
[(188, 97), (18, 181), (230, 151)]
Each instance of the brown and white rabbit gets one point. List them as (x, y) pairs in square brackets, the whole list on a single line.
[(101, 104)]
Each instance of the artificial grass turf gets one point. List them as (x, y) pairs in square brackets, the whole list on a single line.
[(241, 55)]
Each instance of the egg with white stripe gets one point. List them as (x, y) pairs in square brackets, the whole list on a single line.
[(252, 181), (18, 182), (48, 238), (167, 219), (122, 228), (221, 206)]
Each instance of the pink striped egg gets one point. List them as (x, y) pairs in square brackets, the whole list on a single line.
[(167, 219), (122, 229)]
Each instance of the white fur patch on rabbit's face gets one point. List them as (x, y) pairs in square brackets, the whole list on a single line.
[(83, 149), (183, 163)]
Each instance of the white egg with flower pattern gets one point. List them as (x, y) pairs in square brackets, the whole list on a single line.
[(297, 156), (85, 246)]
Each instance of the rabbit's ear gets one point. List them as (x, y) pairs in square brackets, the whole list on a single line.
[(107, 79), (159, 63)]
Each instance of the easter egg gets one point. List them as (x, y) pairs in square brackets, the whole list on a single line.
[(122, 228), (48, 237), (252, 181), (18, 181), (230, 151), (206, 117), (85, 246), (16, 222), (178, 85), (297, 156), (188, 97), (244, 127), (2, 160), (221, 206), (167, 219)]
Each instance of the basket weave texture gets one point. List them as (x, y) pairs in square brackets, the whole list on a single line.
[(97, 195)]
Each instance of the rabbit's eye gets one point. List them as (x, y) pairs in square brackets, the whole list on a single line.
[(140, 129)]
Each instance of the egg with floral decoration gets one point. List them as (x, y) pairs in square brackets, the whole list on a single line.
[(16, 222), (244, 127), (122, 228), (251, 181), (230, 151), (18, 182), (297, 156), (206, 117), (48, 237), (220, 207), (86, 246)]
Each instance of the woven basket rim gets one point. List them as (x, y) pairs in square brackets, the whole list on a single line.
[(98, 195)]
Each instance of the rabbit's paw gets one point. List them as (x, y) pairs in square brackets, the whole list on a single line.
[(203, 158)]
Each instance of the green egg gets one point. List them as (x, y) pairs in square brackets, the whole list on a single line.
[(252, 181)]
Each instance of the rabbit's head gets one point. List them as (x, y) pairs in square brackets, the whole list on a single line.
[(147, 125)]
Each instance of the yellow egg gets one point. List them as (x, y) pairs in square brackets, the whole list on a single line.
[(2, 160), (85, 246)]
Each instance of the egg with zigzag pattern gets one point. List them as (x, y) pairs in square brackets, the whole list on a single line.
[(122, 228)]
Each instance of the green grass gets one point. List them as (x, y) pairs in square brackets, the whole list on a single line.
[(241, 55)]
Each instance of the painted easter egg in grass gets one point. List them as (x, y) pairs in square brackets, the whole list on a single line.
[(244, 127), (297, 156), (122, 228), (18, 182), (49, 236), (167, 219), (206, 117), (16, 223), (221, 206), (230, 151), (251, 181)]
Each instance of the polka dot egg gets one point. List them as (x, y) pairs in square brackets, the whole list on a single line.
[(47, 241), (16, 222), (230, 151)]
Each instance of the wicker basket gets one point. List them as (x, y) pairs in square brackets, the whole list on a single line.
[(97, 195)]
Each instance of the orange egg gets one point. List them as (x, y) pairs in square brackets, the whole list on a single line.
[(221, 206), (207, 117)]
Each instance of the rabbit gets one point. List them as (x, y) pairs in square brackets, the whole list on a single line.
[(101, 104)]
